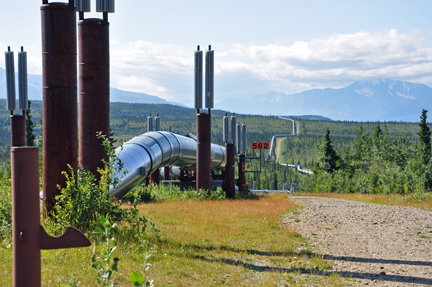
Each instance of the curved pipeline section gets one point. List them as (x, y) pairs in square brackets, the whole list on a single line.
[(273, 140), (146, 153)]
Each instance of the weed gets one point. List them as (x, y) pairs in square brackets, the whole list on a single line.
[(5, 209), (424, 236), (105, 264), (297, 220)]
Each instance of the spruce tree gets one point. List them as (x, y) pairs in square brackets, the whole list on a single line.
[(425, 138), (327, 157), (30, 137)]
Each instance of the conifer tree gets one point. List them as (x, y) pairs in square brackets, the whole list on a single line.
[(425, 138), (30, 137), (327, 157)]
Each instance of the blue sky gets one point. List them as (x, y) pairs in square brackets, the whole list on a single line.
[(260, 46)]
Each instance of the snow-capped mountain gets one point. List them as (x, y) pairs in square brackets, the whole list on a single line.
[(376, 100)]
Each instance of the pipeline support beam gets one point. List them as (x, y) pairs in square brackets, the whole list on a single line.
[(229, 170), (59, 73), (203, 180), (18, 130), (94, 92)]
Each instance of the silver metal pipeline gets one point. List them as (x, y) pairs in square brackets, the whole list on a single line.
[(146, 153)]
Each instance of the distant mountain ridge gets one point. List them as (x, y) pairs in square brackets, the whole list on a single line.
[(375, 100), (116, 95)]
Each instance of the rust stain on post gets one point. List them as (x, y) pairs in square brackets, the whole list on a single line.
[(18, 130), (229, 170), (94, 92), (203, 168), (26, 216), (59, 68)]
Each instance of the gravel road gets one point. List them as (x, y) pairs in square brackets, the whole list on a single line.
[(378, 245)]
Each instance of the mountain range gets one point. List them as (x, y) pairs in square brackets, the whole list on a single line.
[(116, 95), (374, 100)]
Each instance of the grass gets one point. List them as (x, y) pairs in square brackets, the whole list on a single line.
[(203, 243), (417, 200)]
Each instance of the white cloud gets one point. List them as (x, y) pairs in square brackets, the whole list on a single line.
[(335, 61)]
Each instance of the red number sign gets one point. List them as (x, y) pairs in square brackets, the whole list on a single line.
[(260, 145)]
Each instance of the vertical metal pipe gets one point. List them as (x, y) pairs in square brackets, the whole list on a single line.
[(226, 128), (239, 138), (198, 81), (244, 138), (18, 130), (26, 216), (59, 68), (94, 92), (229, 170), (150, 125), (233, 128), (10, 80), (203, 178), (22, 80)]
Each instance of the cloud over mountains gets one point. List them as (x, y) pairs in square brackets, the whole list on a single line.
[(242, 71)]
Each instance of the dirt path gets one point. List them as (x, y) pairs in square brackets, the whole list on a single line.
[(278, 148), (378, 245)]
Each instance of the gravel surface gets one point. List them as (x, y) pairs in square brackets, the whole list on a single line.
[(378, 245)]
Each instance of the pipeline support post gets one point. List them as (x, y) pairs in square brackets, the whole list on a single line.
[(155, 177), (18, 130), (229, 170), (166, 173), (203, 177), (241, 182), (28, 236), (59, 73), (94, 92)]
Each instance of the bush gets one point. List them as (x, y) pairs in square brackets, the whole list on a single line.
[(156, 192), (5, 208), (84, 199)]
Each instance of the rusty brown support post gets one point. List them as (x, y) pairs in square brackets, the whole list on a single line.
[(94, 92), (166, 173), (241, 166), (18, 130), (28, 236), (229, 170), (203, 168), (26, 216), (59, 69), (155, 177)]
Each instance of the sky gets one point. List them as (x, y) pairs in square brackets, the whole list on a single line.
[(260, 46)]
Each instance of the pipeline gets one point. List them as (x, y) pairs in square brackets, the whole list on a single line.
[(273, 140), (298, 168), (146, 153)]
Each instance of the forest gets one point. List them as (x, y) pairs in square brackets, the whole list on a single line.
[(128, 120)]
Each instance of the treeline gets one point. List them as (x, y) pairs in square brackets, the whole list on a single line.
[(128, 120), (374, 162)]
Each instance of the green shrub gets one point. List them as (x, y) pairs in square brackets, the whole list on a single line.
[(156, 192), (5, 208), (84, 199)]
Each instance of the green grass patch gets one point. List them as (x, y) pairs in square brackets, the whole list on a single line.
[(200, 243)]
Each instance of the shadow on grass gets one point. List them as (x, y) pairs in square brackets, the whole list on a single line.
[(313, 271), (303, 270)]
